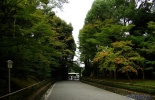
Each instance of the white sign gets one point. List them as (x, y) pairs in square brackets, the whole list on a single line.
[(10, 63)]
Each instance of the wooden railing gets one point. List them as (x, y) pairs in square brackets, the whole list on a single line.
[(24, 93)]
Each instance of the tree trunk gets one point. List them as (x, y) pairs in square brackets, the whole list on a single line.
[(143, 72), (115, 74), (128, 76)]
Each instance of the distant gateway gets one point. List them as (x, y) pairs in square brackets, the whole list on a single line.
[(73, 76)]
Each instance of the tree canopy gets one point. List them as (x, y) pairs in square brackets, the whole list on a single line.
[(117, 38), (39, 43)]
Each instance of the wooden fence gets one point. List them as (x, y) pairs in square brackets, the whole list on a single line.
[(24, 93)]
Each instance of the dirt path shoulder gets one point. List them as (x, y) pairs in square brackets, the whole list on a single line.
[(37, 95)]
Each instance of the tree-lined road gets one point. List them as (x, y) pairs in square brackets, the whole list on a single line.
[(75, 90)]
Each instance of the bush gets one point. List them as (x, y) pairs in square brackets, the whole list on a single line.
[(128, 86)]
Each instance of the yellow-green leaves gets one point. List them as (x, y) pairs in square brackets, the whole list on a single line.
[(100, 56), (121, 57)]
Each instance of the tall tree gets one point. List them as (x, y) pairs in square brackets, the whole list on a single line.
[(112, 21), (34, 38)]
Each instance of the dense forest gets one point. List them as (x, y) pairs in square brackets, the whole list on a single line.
[(117, 40), (39, 43)]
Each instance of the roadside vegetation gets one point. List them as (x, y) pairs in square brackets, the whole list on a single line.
[(150, 83), (117, 40), (39, 43), (117, 44), (124, 87)]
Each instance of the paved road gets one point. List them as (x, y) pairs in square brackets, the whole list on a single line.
[(75, 90)]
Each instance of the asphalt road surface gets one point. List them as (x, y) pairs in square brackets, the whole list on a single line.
[(75, 90)]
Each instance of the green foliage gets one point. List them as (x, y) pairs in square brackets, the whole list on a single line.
[(119, 36), (121, 57), (124, 85), (36, 41)]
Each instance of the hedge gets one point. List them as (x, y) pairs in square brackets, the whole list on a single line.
[(128, 86)]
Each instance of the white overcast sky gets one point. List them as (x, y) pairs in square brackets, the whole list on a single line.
[(75, 12)]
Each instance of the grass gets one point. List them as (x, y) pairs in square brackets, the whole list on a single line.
[(130, 87), (16, 84), (145, 82), (134, 81), (22, 83)]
